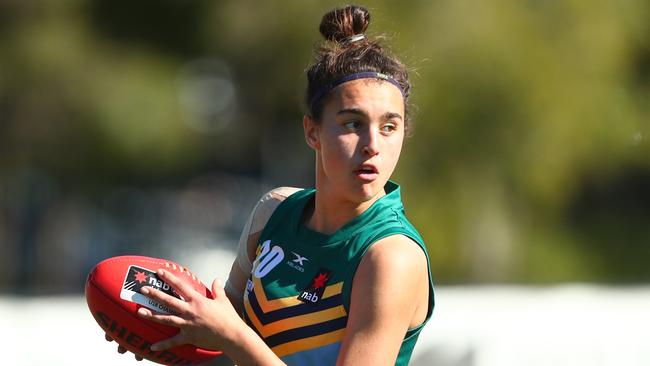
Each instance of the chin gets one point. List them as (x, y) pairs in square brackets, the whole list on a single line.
[(368, 191)]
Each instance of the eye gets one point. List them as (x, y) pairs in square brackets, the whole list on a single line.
[(389, 127), (352, 125)]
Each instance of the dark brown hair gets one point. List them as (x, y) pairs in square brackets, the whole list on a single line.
[(338, 57)]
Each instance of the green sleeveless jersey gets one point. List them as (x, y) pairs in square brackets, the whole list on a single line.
[(298, 295)]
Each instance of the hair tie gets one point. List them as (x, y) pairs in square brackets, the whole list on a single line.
[(353, 38)]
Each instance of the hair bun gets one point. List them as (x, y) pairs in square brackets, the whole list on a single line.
[(342, 23)]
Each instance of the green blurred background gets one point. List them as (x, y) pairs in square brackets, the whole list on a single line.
[(153, 126)]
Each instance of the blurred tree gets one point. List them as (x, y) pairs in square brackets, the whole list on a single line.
[(529, 160), (522, 101)]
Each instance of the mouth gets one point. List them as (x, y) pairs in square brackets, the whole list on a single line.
[(367, 172)]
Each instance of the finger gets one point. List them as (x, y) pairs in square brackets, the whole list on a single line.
[(174, 341), (177, 305), (166, 319), (217, 288), (182, 288)]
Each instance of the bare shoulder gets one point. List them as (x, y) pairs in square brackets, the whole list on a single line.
[(395, 253), (392, 265), (394, 274)]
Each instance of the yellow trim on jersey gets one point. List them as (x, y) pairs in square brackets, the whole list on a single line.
[(308, 343), (297, 321), (303, 320), (283, 302), (251, 315)]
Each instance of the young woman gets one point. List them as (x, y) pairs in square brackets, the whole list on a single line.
[(335, 274)]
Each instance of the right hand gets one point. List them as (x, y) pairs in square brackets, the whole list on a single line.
[(203, 322), (121, 349)]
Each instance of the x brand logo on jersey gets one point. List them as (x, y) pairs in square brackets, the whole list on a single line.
[(299, 258)]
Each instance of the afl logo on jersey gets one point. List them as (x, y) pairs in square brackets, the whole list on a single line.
[(267, 258)]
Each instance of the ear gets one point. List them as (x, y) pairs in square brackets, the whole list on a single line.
[(312, 130)]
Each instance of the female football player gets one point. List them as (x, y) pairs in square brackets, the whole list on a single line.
[(335, 274)]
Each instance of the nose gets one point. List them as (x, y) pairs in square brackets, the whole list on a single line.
[(371, 141)]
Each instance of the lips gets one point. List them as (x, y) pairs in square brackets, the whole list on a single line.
[(367, 172)]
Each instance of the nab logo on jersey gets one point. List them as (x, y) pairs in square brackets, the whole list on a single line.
[(314, 292)]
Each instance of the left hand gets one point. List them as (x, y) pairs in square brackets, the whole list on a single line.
[(203, 322)]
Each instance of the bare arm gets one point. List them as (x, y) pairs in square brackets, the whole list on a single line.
[(389, 295)]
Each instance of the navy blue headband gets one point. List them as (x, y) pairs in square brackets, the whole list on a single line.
[(360, 75)]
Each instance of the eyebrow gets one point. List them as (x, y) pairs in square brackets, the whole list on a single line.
[(385, 116)]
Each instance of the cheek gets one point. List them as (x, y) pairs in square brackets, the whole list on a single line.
[(338, 148), (393, 152)]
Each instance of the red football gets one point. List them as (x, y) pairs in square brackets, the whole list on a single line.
[(113, 296)]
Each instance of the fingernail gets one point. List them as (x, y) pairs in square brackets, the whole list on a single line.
[(160, 272), (144, 290)]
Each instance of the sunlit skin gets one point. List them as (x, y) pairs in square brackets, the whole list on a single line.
[(358, 141)]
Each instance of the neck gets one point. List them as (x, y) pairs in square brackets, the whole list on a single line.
[(331, 211)]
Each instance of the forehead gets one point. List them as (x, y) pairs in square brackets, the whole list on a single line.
[(369, 93)]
